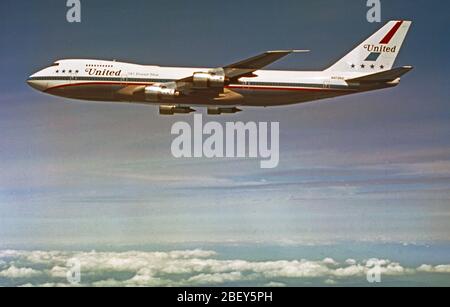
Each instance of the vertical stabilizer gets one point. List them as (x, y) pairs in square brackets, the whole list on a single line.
[(376, 53)]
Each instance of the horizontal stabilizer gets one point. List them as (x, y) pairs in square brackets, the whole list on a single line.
[(384, 76)]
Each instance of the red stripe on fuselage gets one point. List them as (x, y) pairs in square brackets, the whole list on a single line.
[(308, 89), (244, 87), (391, 33), (95, 83)]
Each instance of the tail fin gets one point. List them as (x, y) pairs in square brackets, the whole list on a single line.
[(376, 53)]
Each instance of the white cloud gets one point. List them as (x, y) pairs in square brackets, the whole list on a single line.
[(14, 272), (185, 268), (145, 278), (110, 283), (216, 278), (274, 284), (434, 269), (329, 261), (350, 261), (8, 253), (330, 282), (58, 271), (352, 270), (46, 285)]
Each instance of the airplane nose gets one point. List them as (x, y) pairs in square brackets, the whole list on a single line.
[(39, 85)]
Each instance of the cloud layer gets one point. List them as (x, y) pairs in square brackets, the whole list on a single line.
[(189, 268)]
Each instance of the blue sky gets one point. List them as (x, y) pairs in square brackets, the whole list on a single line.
[(372, 167)]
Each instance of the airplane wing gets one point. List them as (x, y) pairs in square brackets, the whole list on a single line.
[(245, 68), (248, 66)]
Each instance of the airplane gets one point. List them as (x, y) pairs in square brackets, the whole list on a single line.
[(224, 90)]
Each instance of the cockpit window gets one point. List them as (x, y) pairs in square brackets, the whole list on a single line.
[(55, 64)]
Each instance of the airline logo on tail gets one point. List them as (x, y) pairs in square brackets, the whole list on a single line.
[(376, 50)]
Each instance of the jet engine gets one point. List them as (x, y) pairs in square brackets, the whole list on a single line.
[(158, 92), (219, 111), (171, 110), (212, 79)]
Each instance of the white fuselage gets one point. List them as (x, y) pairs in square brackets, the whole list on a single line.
[(100, 80)]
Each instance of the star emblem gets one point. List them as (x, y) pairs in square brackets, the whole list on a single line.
[(372, 66), (382, 66), (353, 65), (362, 65)]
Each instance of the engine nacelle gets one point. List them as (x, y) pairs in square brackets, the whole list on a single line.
[(171, 110), (219, 111), (211, 79), (158, 92)]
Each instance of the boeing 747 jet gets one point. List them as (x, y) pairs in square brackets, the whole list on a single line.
[(226, 89)]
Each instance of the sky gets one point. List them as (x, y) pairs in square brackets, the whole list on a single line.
[(372, 168)]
